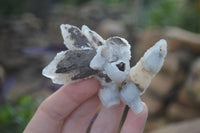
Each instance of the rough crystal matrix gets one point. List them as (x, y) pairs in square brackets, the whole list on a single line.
[(108, 61)]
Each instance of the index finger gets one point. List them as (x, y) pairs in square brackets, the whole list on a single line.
[(52, 112)]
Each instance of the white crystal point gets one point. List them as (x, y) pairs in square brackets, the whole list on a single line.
[(109, 95), (94, 38), (66, 36), (98, 61), (57, 78), (149, 65), (154, 57), (130, 96), (73, 37)]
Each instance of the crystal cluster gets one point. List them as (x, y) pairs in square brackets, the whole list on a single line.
[(89, 55)]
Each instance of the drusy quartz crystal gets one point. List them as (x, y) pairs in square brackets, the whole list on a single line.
[(89, 55)]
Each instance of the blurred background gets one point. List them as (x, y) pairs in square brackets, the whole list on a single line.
[(30, 37)]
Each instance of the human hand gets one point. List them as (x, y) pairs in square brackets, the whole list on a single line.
[(72, 107)]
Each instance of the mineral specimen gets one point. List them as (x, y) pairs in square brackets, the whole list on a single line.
[(108, 61)]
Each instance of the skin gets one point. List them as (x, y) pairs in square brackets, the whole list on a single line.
[(72, 107)]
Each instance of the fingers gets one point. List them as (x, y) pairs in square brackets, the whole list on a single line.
[(80, 119), (108, 120), (135, 123), (54, 109)]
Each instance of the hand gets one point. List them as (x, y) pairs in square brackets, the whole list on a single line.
[(72, 107)]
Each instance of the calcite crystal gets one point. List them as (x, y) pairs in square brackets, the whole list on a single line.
[(89, 55)]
